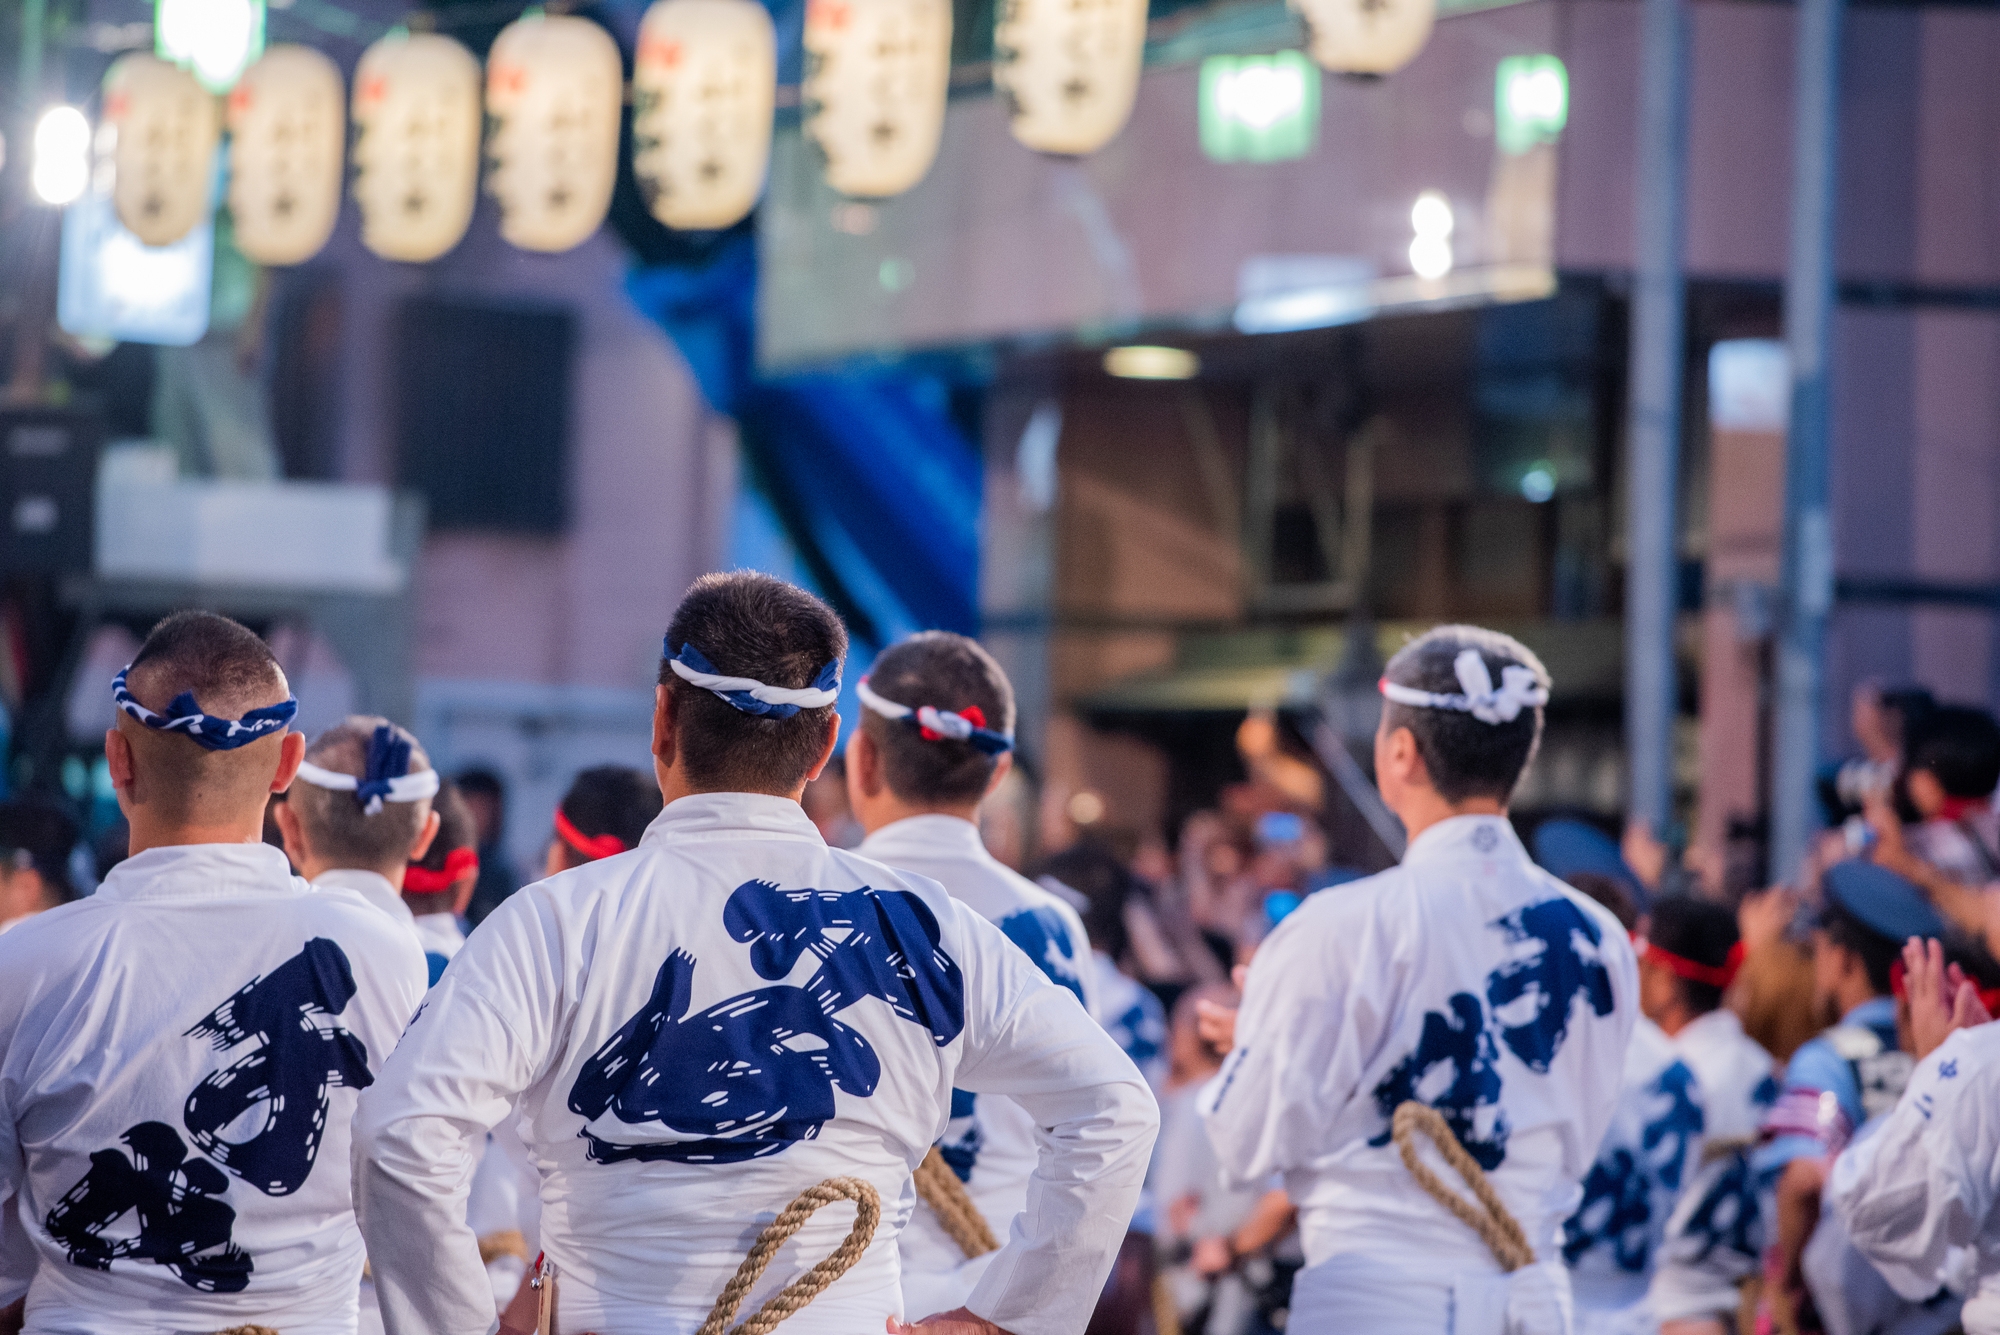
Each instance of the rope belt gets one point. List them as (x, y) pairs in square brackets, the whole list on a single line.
[(247, 1330), (945, 1194), (1500, 1231), (795, 1295)]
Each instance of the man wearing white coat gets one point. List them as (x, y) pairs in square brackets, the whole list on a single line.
[(180, 1053), (697, 1030), (1467, 979), (936, 738)]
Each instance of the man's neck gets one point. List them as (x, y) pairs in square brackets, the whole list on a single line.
[(315, 869), (1420, 810), (1675, 1018), (147, 834), (1855, 999), (889, 809)]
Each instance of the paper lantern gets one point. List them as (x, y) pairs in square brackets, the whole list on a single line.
[(1070, 69), (159, 130), (287, 128), (1367, 36), (703, 89), (416, 151), (555, 89), (875, 89)]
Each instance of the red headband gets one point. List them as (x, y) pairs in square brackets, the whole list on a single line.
[(1898, 985), (1680, 966), (592, 846), (433, 881)]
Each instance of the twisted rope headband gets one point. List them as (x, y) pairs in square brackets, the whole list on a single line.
[(184, 716), (939, 725), (1478, 696), (747, 693), (386, 775)]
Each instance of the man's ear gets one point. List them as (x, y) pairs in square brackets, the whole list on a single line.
[(864, 762), (118, 758), (291, 754), (666, 720), (1001, 768), (422, 843), (826, 751)]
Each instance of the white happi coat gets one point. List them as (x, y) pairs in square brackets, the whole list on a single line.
[(699, 1029), (1466, 978), (180, 1056), (1921, 1196), (1613, 1239), (1715, 1237), (991, 1142)]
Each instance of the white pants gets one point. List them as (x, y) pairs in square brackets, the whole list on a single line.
[(1397, 1296)]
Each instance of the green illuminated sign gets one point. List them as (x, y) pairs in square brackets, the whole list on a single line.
[(1259, 108), (1530, 102), (215, 40)]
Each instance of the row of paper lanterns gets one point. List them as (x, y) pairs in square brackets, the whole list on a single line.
[(704, 89)]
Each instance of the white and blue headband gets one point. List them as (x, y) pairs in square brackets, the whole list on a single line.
[(386, 776), (1478, 697), (747, 693), (940, 725), (184, 716)]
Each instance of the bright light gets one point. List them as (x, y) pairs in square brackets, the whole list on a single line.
[(214, 39), (1538, 95), (1145, 362), (1538, 483), (62, 155), (1261, 95), (1530, 102), (1431, 220), (1431, 215), (1259, 108)]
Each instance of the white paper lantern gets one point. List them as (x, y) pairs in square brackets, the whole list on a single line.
[(875, 90), (1367, 36), (555, 89), (703, 90), (287, 129), (1070, 68), (159, 132), (416, 154)]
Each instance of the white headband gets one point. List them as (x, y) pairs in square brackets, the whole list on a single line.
[(807, 697), (408, 788), (938, 722), (1518, 690)]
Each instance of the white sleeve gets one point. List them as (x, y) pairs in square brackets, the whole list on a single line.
[(1923, 1183), (1095, 1121), (1300, 1047), (484, 1034), (17, 1254)]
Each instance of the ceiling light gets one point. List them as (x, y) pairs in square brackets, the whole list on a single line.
[(1147, 362), (62, 155)]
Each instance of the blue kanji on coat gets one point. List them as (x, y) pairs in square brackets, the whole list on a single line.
[(1554, 965), (1617, 1209), (1726, 1215), (1453, 1070), (295, 1059), (173, 1199), (757, 1072), (1674, 1123), (1042, 935)]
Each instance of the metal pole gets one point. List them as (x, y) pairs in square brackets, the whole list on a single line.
[(1652, 569), (1808, 551)]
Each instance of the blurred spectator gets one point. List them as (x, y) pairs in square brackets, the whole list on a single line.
[(438, 885), (114, 844), (1773, 992), (825, 801), (1111, 899), (1006, 819), (603, 814), (35, 844), (1949, 774), (485, 797), (1609, 892), (1881, 720)]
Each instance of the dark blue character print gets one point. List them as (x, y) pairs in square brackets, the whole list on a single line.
[(298, 1055), (1453, 1071), (1040, 933), (748, 1076), (181, 1223), (1767, 1092), (1617, 1209), (870, 943), (1672, 1131), (961, 1144), (1554, 962), (1726, 1215)]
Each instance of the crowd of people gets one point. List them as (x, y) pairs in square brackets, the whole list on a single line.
[(313, 1059)]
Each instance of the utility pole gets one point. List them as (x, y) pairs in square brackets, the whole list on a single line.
[(1652, 569), (1808, 550)]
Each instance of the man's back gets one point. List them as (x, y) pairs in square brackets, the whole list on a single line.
[(719, 1019), (179, 1060)]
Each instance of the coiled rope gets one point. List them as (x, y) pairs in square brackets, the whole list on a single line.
[(1495, 1225), (795, 1295), (946, 1195), (247, 1330)]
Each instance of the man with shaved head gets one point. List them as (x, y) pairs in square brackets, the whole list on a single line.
[(181, 1052)]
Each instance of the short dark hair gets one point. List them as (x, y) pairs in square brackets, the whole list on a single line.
[(944, 671), (336, 822), (1465, 757), (1959, 745), (1606, 890), (612, 799), (480, 782), (228, 669), (1876, 952), (750, 625), (1698, 930)]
